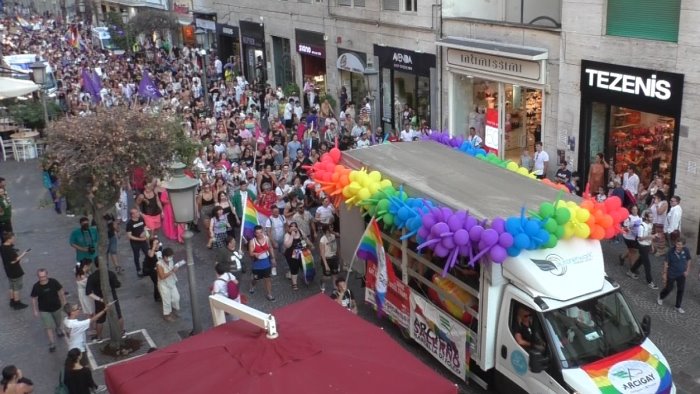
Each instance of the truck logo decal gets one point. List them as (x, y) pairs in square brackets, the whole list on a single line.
[(558, 266), (633, 371)]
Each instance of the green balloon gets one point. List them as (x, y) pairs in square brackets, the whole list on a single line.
[(551, 242), (559, 232), (551, 226), (481, 156), (563, 215), (546, 210), (388, 219)]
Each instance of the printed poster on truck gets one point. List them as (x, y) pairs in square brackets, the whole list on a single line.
[(397, 297), (440, 334)]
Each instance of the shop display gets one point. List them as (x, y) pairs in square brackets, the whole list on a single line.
[(642, 139)]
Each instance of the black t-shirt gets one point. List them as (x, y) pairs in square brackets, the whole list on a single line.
[(347, 298), (47, 295), (110, 225), (9, 254), (526, 332), (93, 284), (135, 227)]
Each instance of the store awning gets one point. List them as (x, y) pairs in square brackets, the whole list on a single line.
[(494, 48), (12, 87), (349, 62)]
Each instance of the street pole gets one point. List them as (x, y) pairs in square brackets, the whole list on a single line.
[(196, 323), (205, 84), (46, 112)]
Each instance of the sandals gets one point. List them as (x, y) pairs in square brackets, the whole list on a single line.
[(295, 287)]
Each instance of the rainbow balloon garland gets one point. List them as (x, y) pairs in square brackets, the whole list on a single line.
[(454, 234)]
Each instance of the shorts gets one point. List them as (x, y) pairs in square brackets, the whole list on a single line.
[(112, 246), (631, 243), (100, 306), (16, 283), (51, 320), (262, 273), (333, 265), (294, 265)]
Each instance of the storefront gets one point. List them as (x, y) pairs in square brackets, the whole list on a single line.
[(497, 89), (405, 81), (229, 48), (282, 54), (352, 74), (632, 116), (253, 44), (311, 46), (205, 25)]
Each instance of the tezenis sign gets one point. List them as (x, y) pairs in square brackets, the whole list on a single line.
[(645, 90)]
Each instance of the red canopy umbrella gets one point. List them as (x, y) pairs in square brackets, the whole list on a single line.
[(321, 348)]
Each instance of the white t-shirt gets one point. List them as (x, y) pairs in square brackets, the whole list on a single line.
[(77, 329), (276, 224), (221, 286), (407, 135), (363, 143), (540, 158), (281, 191), (325, 214)]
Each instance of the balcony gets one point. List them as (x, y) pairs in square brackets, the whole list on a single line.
[(536, 13)]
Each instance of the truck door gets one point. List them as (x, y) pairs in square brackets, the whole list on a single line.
[(519, 333)]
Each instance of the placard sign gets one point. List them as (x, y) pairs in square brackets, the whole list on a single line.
[(397, 305)]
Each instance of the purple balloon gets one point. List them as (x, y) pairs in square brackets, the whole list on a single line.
[(449, 243), (429, 221), (470, 222), (498, 254), (498, 224), (490, 237), (456, 221), (423, 233), (465, 250), (441, 251), (475, 233), (446, 213), (437, 214), (505, 240), (461, 237), (439, 228)]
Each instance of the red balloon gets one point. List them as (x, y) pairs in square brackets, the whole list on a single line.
[(610, 232), (588, 204), (613, 203), (335, 154), (327, 158), (606, 221)]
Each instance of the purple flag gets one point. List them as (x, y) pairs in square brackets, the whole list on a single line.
[(147, 88), (90, 86)]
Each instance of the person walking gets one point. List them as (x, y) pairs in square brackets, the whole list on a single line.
[(659, 208), (260, 250), (11, 260), (328, 248), (167, 285), (84, 240), (93, 289), (644, 239), (275, 228), (136, 232), (218, 228), (294, 244), (676, 269), (540, 162), (82, 271), (77, 377), (630, 230), (149, 266), (343, 296), (47, 299), (672, 226)]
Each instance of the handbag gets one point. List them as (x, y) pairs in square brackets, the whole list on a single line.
[(61, 388)]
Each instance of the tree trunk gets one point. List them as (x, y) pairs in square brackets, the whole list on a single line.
[(115, 335)]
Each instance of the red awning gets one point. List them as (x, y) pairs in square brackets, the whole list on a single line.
[(321, 348)]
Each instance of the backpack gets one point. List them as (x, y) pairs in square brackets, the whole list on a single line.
[(231, 288), (61, 388)]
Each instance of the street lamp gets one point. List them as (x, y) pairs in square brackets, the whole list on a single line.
[(181, 192), (39, 76), (205, 84)]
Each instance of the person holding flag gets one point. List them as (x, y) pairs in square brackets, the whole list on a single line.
[(371, 249), (147, 87)]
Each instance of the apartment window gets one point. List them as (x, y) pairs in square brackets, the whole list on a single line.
[(391, 5), (359, 3), (304, 1), (345, 2), (350, 3), (541, 13), (645, 19), (410, 5)]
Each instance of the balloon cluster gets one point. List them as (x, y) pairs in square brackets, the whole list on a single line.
[(363, 185)]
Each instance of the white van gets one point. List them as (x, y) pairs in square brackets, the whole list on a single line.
[(21, 66), (101, 39)]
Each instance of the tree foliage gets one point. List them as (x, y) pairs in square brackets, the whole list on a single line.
[(149, 20)]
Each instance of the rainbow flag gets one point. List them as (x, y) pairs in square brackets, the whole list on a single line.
[(371, 249), (307, 264), (250, 219), (633, 369)]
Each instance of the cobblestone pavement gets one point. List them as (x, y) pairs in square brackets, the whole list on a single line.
[(23, 342)]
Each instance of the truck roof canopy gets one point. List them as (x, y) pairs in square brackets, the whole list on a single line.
[(453, 179)]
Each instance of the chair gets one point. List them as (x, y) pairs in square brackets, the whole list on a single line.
[(23, 149), (8, 148)]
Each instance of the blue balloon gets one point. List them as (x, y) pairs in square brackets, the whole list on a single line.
[(513, 251), (513, 225), (532, 227), (522, 241)]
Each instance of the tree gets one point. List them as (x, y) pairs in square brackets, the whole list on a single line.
[(97, 153), (148, 21)]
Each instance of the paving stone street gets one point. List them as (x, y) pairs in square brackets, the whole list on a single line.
[(23, 341)]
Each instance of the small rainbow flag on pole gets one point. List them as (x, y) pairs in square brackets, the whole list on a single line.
[(250, 219), (371, 249), (307, 264)]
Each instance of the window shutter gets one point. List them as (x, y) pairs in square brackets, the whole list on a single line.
[(645, 19), (345, 2), (391, 5), (359, 3)]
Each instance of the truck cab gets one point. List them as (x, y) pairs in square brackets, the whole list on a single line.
[(102, 39), (21, 67), (544, 321)]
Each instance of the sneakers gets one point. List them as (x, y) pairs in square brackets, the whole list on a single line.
[(680, 310), (632, 275), (17, 305), (659, 301), (101, 389), (252, 290), (652, 285), (270, 297), (274, 271), (52, 348), (622, 260), (288, 275), (323, 287), (169, 318)]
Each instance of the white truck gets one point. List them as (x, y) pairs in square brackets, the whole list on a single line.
[(21, 67), (584, 337), (102, 39)]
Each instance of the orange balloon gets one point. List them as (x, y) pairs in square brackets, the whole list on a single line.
[(587, 204)]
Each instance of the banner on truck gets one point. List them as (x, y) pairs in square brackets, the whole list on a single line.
[(440, 334), (397, 303)]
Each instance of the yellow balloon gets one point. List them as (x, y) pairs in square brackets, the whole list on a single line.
[(582, 231), (385, 183), (361, 178), (354, 187), (523, 171), (353, 176), (374, 187), (512, 166), (375, 176), (347, 192), (363, 194), (568, 230), (582, 215)]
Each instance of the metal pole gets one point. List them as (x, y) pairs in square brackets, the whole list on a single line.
[(46, 112), (196, 323), (205, 84)]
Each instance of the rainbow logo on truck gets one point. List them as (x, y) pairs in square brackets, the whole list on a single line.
[(633, 371)]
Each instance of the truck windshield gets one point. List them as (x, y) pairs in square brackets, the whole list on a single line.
[(592, 330), (108, 44)]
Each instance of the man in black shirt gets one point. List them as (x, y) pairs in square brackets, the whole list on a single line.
[(93, 290), (47, 299), (11, 261), (135, 230), (563, 174), (524, 333), (343, 296)]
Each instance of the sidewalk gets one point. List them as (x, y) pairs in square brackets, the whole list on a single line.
[(23, 341)]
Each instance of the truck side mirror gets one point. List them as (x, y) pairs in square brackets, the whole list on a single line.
[(646, 325), (538, 361)]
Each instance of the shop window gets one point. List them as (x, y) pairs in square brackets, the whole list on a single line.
[(411, 5), (391, 5), (645, 19)]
